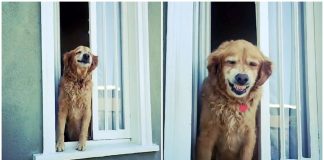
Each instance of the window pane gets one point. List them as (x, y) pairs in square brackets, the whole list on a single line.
[(110, 106), (288, 89)]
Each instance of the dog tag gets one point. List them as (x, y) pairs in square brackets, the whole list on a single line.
[(243, 107)]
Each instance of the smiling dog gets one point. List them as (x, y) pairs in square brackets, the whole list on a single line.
[(230, 96), (75, 96)]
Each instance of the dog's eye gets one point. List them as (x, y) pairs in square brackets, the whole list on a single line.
[(253, 64), (79, 52), (231, 62)]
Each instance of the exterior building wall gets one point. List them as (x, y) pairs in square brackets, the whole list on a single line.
[(21, 81)]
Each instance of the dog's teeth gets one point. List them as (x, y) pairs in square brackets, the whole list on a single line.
[(240, 88)]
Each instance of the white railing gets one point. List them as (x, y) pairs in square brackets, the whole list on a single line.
[(108, 87)]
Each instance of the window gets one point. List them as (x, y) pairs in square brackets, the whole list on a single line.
[(291, 91), (110, 114), (109, 119), (121, 81)]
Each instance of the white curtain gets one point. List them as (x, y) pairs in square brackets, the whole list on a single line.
[(288, 81)]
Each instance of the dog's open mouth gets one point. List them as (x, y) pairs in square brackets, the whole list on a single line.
[(83, 61), (238, 89)]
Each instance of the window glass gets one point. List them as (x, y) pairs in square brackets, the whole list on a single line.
[(109, 79), (288, 80)]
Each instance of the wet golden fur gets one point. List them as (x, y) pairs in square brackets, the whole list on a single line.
[(75, 99), (225, 132)]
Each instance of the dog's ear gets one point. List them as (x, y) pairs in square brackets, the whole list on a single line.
[(214, 64), (94, 63), (264, 73), (67, 59), (215, 59)]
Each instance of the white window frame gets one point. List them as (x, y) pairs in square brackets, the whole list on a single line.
[(188, 24), (136, 34), (263, 43), (178, 103)]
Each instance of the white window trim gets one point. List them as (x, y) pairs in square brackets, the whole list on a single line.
[(178, 103), (141, 141), (319, 60), (263, 39), (188, 25)]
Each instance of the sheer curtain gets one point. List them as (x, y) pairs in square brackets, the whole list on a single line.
[(283, 87)]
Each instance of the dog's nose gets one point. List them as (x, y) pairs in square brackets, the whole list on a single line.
[(241, 78), (86, 56)]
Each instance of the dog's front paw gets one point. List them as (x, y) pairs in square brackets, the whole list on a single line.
[(60, 147), (81, 146)]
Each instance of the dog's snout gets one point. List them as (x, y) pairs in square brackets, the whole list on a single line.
[(86, 56), (241, 78)]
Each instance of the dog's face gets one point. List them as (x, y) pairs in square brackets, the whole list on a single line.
[(240, 72), (241, 67), (83, 57), (81, 60)]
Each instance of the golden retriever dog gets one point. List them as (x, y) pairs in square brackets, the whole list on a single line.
[(229, 98), (75, 97)]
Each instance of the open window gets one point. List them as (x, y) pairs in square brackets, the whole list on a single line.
[(74, 31), (110, 118), (232, 21), (118, 34)]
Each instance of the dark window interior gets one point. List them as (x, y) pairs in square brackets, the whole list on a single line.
[(231, 21), (74, 27), (74, 21)]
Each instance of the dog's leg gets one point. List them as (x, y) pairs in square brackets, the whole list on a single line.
[(205, 144), (61, 126), (84, 130), (248, 147)]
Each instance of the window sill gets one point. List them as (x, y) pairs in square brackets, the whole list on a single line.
[(97, 150)]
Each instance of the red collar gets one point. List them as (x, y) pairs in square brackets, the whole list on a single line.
[(244, 107)]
